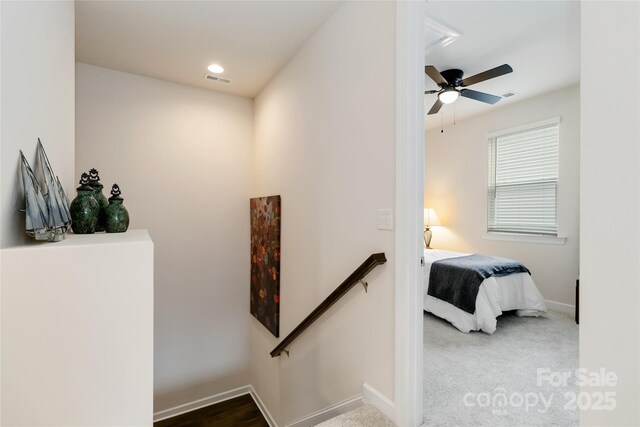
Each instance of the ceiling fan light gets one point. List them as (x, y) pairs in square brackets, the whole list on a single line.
[(448, 96)]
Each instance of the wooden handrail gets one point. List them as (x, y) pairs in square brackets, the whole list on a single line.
[(356, 277)]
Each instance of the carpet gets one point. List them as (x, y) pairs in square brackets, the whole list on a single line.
[(364, 416), (477, 379)]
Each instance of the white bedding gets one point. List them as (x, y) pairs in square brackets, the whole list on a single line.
[(496, 294)]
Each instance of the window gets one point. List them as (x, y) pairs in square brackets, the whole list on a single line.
[(523, 180)]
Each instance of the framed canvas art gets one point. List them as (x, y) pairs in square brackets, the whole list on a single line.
[(265, 261)]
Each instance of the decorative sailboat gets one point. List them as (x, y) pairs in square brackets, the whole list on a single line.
[(37, 216), (47, 207)]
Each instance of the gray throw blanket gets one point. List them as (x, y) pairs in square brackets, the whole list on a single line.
[(457, 280)]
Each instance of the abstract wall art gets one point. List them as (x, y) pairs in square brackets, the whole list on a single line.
[(265, 261)]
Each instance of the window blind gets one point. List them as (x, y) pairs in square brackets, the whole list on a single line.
[(523, 181)]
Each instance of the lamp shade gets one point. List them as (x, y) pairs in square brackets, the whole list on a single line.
[(430, 218), (448, 96)]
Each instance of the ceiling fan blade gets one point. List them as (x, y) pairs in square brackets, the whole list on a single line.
[(436, 107), (486, 75), (429, 92), (435, 75), (480, 96)]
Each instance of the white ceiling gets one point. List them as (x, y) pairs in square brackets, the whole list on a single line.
[(177, 40), (539, 39)]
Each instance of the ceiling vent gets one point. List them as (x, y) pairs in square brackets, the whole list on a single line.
[(509, 94), (217, 79)]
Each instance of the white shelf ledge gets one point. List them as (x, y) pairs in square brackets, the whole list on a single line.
[(75, 240)]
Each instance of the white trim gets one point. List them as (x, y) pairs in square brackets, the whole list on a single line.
[(449, 35), (410, 50), (329, 412), (216, 398), (263, 408), (534, 125), (373, 397), (561, 307), (201, 403), (525, 238)]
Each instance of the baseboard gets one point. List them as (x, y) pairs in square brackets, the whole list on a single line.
[(373, 397), (328, 412), (376, 399), (561, 307), (263, 408), (206, 401)]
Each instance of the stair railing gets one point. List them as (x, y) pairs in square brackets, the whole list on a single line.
[(354, 278)]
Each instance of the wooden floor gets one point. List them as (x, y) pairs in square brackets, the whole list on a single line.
[(240, 411)]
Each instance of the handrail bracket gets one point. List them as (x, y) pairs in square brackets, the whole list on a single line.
[(365, 285)]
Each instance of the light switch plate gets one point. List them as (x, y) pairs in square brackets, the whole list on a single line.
[(385, 219)]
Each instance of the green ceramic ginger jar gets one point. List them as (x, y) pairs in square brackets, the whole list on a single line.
[(116, 214), (94, 182), (84, 209)]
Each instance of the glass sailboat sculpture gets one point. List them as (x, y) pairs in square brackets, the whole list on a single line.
[(47, 207)]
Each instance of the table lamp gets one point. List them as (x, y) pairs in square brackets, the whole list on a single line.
[(430, 219)]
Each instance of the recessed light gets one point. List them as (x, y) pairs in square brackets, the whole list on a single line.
[(215, 68)]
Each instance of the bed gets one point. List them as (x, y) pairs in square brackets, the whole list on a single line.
[(495, 295)]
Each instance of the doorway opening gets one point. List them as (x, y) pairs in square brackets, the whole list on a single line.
[(501, 196)]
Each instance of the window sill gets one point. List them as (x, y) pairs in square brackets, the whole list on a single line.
[(526, 238)]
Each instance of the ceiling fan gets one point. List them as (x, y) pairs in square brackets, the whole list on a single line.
[(450, 80)]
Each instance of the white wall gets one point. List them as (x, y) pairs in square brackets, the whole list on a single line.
[(37, 84), (325, 141), (77, 332), (456, 187), (610, 205), (182, 158)]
